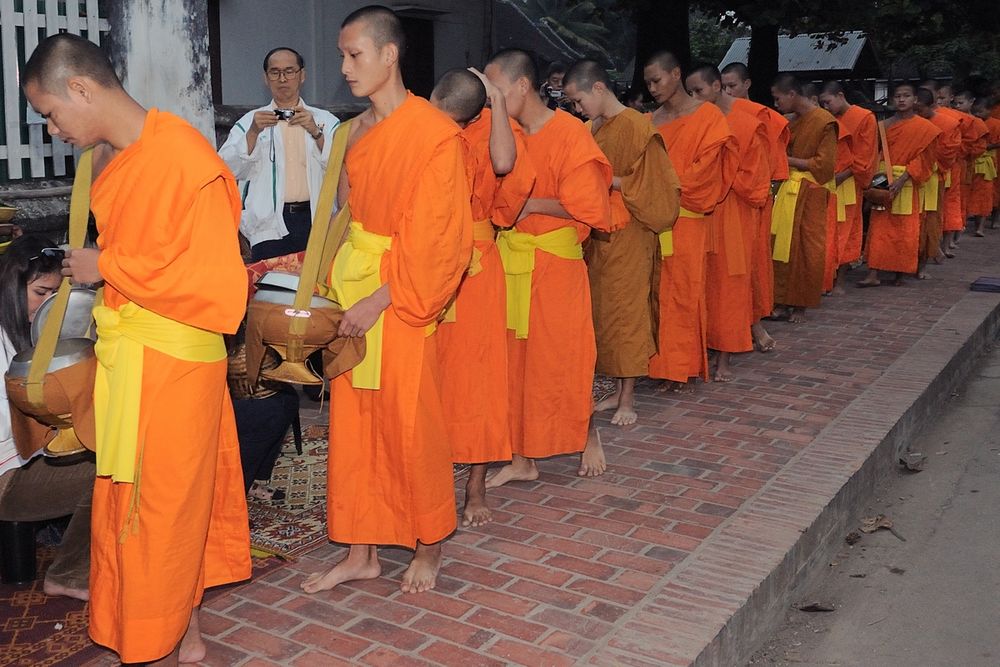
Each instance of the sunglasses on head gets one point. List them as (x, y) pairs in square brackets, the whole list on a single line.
[(48, 252)]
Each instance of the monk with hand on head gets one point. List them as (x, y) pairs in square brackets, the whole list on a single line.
[(473, 335), (703, 151), (550, 339), (389, 473), (940, 186), (644, 203), (736, 82), (169, 510), (733, 226), (800, 206), (894, 232)]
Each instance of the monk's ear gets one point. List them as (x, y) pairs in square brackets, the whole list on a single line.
[(390, 53), (80, 88)]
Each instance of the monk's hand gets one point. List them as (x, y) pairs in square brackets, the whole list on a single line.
[(80, 266), (527, 210), (492, 92), (304, 118), (361, 317), (897, 185)]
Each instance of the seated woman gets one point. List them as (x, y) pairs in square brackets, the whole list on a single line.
[(37, 490)]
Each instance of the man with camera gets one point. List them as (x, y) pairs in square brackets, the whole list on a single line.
[(278, 153)]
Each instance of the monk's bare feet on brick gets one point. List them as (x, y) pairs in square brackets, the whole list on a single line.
[(477, 512), (361, 562), (723, 371), (762, 340), (592, 461), (608, 403), (625, 415), (192, 647), (53, 589), (520, 469), (796, 315), (423, 571)]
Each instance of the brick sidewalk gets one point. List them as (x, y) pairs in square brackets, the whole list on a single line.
[(646, 564)]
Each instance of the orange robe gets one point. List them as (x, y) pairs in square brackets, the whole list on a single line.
[(838, 232), (956, 197), (552, 370), (702, 149), (168, 211), (993, 123), (622, 264), (799, 282), (980, 190), (947, 151), (472, 350), (894, 239), (389, 469), (762, 271), (863, 128), (731, 237)]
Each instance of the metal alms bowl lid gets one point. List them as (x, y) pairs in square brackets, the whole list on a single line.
[(79, 319), (69, 351)]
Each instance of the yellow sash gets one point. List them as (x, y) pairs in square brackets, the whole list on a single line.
[(355, 275), (482, 231), (847, 195), (985, 164), (667, 237), (122, 336), (517, 252), (783, 214), (903, 202), (929, 192)]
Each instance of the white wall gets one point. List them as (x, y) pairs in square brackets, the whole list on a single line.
[(251, 28)]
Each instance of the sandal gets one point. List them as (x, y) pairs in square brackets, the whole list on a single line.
[(260, 491)]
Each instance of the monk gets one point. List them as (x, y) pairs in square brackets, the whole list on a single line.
[(956, 199), (894, 232), (550, 330), (390, 464), (703, 150), (983, 168), (860, 125), (167, 213), (644, 203), (993, 148), (940, 186), (837, 224), (733, 226), (799, 218), (473, 337), (736, 82)]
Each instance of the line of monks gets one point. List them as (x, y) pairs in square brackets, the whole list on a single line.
[(495, 258)]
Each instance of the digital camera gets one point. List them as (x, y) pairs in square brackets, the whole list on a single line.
[(284, 114)]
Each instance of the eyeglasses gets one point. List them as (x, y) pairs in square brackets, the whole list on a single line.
[(288, 72), (48, 252)]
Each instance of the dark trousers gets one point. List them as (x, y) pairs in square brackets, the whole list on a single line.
[(298, 220), (43, 490), (261, 425)]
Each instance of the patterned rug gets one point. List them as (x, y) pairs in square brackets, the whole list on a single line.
[(41, 631)]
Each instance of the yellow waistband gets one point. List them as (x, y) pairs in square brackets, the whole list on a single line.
[(783, 213), (667, 237), (517, 251), (847, 195), (985, 165), (930, 191), (356, 274), (902, 204)]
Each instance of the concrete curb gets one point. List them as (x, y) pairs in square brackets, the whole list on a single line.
[(718, 605)]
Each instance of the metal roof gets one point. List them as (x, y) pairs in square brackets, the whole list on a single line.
[(817, 52)]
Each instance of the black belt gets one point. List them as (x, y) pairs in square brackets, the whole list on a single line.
[(297, 206)]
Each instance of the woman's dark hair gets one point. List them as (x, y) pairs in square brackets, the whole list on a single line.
[(23, 262)]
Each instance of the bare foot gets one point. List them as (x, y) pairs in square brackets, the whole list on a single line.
[(476, 512), (519, 469), (923, 275), (592, 461), (723, 371), (762, 340), (624, 417), (796, 315), (683, 388), (608, 403), (192, 647), (423, 571), (838, 290), (53, 589), (361, 562)]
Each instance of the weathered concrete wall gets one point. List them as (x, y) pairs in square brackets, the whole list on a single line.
[(160, 47)]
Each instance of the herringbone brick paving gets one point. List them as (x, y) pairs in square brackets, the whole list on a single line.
[(579, 570)]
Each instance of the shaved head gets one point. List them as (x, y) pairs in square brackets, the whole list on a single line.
[(709, 73), (60, 57), (665, 59), (381, 24), (739, 69), (515, 64), (460, 94), (833, 88), (787, 83), (925, 97), (585, 73)]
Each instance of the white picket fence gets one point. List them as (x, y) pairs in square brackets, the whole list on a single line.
[(79, 17)]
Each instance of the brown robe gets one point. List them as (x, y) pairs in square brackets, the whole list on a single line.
[(799, 282), (621, 264)]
